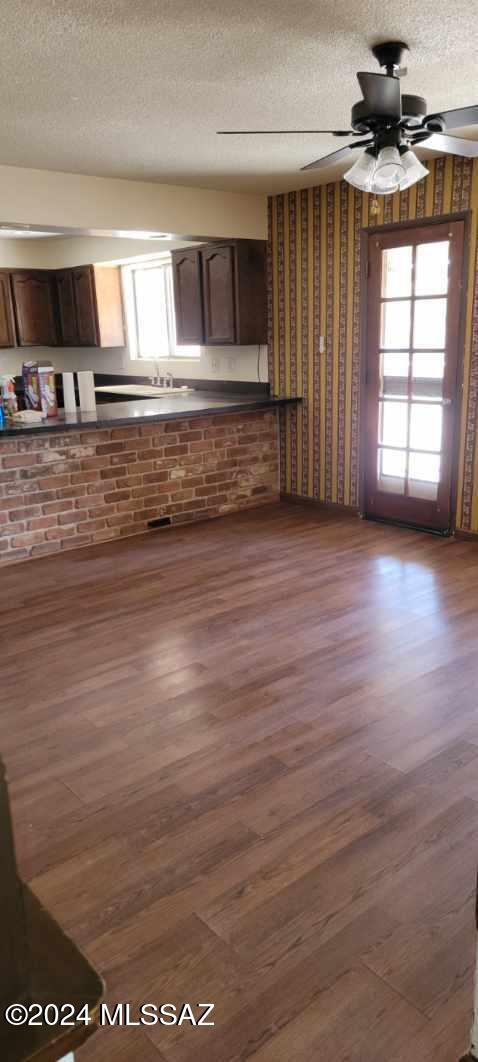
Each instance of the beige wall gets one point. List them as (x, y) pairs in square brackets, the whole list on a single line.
[(43, 197), (60, 252)]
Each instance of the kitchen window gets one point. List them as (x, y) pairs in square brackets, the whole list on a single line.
[(149, 308)]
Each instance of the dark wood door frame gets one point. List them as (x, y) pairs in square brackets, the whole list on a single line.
[(365, 232)]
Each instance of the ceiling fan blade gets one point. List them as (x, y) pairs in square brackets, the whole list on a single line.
[(276, 132), (381, 94), (456, 119), (329, 160), (452, 145)]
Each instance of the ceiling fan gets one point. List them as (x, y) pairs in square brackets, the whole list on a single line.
[(392, 125)]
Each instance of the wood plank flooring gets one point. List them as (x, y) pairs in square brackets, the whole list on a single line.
[(243, 762)]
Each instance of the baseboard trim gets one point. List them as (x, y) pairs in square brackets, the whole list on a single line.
[(466, 536), (303, 499)]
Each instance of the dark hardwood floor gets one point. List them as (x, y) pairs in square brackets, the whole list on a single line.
[(243, 760)]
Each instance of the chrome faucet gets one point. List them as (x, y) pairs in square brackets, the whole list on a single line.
[(169, 379), (157, 378)]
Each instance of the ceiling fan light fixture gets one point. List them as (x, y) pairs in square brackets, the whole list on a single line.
[(414, 169), (389, 171), (362, 172)]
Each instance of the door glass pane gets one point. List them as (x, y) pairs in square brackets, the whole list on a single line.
[(425, 427), (394, 423), (391, 471), (431, 271), (427, 375), (393, 462), (424, 467), (394, 374), (430, 323), (396, 325), (396, 272)]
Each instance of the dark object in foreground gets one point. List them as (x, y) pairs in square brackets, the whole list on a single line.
[(38, 964)]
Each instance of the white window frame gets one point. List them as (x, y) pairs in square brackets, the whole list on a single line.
[(172, 351)]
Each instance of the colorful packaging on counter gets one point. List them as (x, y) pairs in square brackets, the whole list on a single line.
[(9, 398), (39, 387)]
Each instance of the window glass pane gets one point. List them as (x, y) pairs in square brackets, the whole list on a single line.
[(396, 272), (151, 312), (394, 374), (425, 427), (396, 325), (424, 467), (393, 423), (431, 271), (427, 375), (430, 323)]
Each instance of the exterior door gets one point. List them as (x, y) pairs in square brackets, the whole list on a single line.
[(411, 391)]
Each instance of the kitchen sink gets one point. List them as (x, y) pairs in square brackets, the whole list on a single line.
[(142, 390)]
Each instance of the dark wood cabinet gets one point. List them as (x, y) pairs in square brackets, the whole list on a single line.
[(220, 293), (66, 307), (85, 303), (7, 331), (90, 306), (34, 308), (188, 304)]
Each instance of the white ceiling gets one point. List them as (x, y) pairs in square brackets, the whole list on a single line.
[(137, 88)]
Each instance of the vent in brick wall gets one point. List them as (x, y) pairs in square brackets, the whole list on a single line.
[(162, 521)]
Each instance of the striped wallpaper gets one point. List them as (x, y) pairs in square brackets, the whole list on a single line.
[(314, 290)]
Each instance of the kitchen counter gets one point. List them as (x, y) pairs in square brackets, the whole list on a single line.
[(144, 410), (136, 466)]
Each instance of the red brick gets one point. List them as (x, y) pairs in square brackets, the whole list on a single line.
[(41, 523), (54, 533), (88, 526), (90, 437), (25, 512), (45, 548), (85, 477), (19, 460), (73, 517), (117, 495), (113, 473), (29, 538), (54, 482), (201, 447), (176, 451), (57, 506), (109, 448), (119, 520)]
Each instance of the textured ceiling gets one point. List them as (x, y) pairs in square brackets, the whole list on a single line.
[(137, 88)]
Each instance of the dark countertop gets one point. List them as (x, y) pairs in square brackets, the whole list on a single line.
[(146, 410)]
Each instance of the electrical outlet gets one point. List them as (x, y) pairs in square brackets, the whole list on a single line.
[(215, 364), (232, 364)]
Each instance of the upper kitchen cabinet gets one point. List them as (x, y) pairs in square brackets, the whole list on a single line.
[(90, 306), (34, 307), (188, 304), (220, 293), (7, 332)]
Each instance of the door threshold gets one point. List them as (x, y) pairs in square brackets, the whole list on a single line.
[(409, 527)]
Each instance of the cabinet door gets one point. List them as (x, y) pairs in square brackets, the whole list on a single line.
[(34, 308), (218, 273), (187, 286), (7, 338), (85, 302), (66, 308)]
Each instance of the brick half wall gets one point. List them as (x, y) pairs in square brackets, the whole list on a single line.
[(62, 491)]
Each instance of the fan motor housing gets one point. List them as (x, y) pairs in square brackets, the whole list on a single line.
[(414, 109)]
